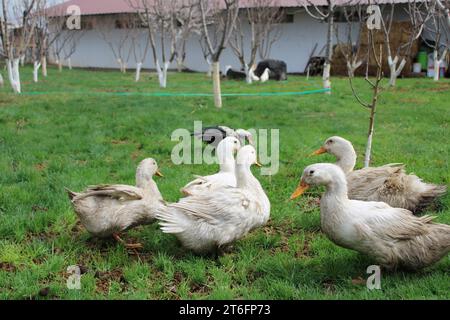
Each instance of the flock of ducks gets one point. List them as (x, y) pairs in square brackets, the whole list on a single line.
[(368, 210)]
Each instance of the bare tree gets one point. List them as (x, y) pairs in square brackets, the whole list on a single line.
[(168, 25), (324, 14), (139, 48), (444, 5), (17, 25), (218, 18), (118, 42), (262, 16), (358, 55), (398, 59), (439, 29), (206, 55)]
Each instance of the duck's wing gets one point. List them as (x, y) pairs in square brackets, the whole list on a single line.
[(225, 207), (208, 183), (386, 222), (117, 191)]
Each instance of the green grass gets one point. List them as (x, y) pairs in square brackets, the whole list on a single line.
[(68, 139)]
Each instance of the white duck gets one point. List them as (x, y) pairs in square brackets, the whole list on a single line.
[(389, 183), (107, 210), (210, 220), (225, 177), (265, 76), (393, 237)]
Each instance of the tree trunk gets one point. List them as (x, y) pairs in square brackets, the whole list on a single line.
[(2, 82), (44, 65), (22, 60), (437, 64), (138, 71), (393, 75), (60, 66), (209, 72), (248, 75), (329, 53), (180, 64), (13, 74), (69, 63), (216, 84), (326, 77), (36, 66)]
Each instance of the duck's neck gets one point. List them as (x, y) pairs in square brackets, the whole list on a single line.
[(247, 181), (336, 193), (147, 185), (226, 160), (347, 160), (244, 177)]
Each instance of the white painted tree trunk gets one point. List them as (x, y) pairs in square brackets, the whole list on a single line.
[(210, 69), (394, 70), (437, 65), (162, 73), (326, 77), (69, 63), (60, 66), (36, 66), (138, 71), (216, 84), (22, 60), (307, 73), (44, 66), (13, 74), (368, 150), (248, 75), (2, 82)]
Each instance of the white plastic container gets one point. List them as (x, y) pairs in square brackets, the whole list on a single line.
[(417, 67)]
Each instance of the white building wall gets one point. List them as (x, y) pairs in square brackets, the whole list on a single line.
[(296, 42)]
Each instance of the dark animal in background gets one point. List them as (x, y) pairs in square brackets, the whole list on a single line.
[(213, 135), (278, 69), (233, 74), (316, 66)]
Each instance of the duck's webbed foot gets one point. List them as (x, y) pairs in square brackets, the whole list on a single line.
[(138, 245)]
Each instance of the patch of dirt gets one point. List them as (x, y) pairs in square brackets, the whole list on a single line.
[(104, 279), (329, 286), (358, 281), (7, 267), (120, 142), (37, 208), (40, 166)]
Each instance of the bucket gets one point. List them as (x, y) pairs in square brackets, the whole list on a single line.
[(423, 60), (417, 67)]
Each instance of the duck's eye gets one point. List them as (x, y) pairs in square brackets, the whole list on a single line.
[(235, 142), (330, 141), (311, 172)]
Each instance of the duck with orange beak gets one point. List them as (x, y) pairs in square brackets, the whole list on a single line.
[(108, 210), (392, 237), (389, 183)]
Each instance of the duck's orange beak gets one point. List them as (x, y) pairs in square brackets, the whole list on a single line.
[(319, 151), (159, 174), (302, 187)]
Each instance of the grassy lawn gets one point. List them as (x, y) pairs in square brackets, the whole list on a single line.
[(80, 134)]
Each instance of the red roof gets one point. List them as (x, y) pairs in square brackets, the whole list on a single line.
[(94, 7)]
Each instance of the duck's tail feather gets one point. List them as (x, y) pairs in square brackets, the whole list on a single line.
[(430, 194), (170, 220), (70, 193)]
